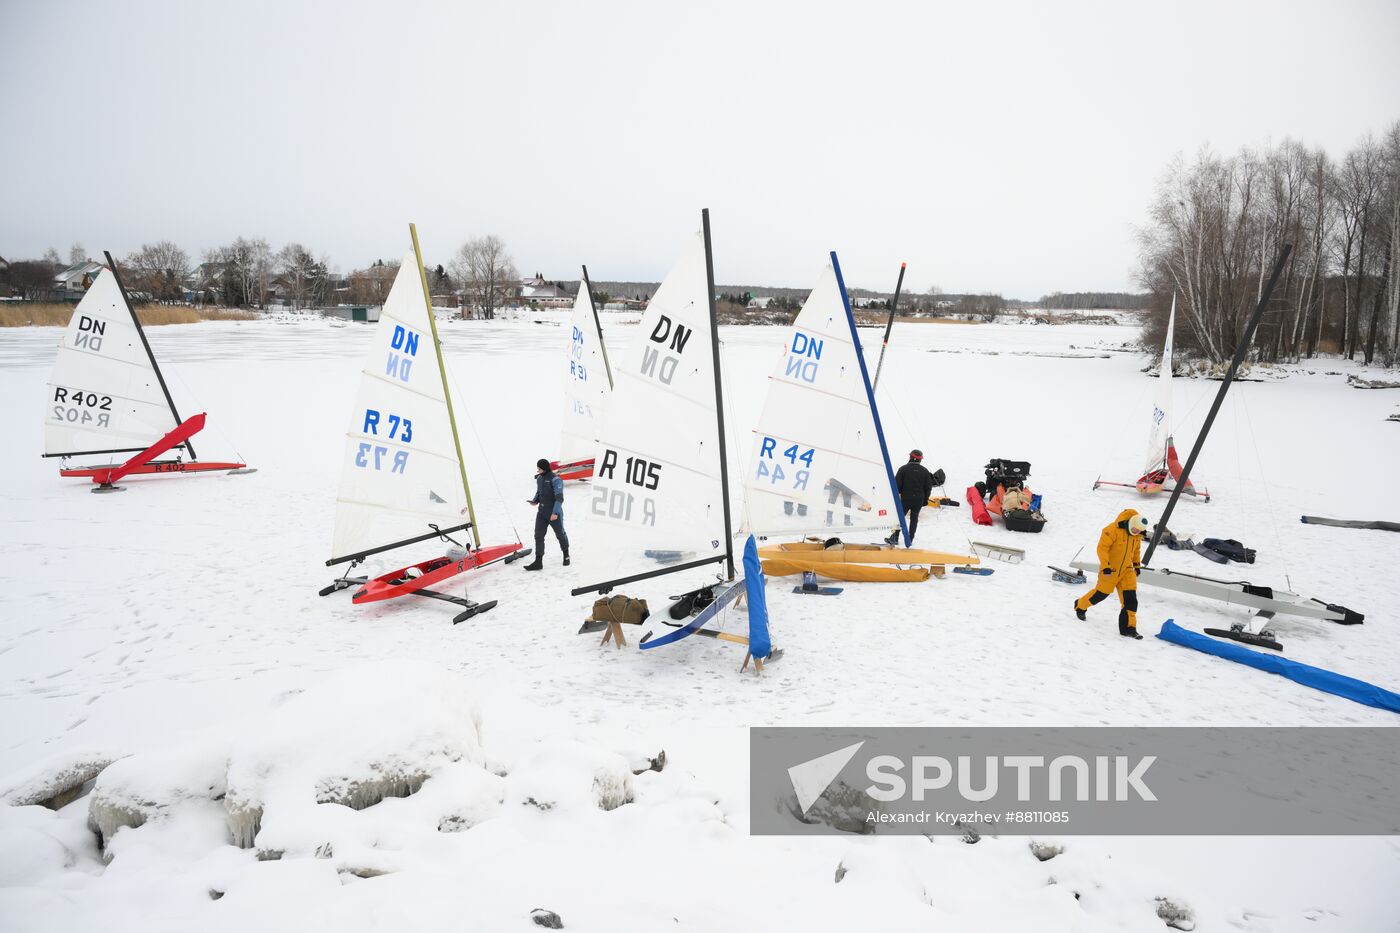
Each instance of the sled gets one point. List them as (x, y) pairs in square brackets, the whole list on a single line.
[(1001, 552)]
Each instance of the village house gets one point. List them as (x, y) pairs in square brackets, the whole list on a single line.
[(537, 293), (77, 277)]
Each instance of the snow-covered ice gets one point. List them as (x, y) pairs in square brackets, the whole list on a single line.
[(175, 629)]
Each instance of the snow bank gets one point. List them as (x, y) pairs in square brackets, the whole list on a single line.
[(143, 787), (31, 846), (350, 740), (569, 775), (55, 781)]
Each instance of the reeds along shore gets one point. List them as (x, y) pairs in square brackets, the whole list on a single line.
[(58, 315)]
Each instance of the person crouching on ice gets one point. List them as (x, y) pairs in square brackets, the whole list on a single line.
[(549, 512), (1120, 559)]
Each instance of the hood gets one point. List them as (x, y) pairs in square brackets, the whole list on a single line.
[(1123, 517)]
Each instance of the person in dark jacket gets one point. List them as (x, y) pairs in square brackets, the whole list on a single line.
[(549, 512), (915, 484)]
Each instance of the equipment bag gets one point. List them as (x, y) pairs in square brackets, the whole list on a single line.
[(1024, 520), (622, 609), (1230, 549)]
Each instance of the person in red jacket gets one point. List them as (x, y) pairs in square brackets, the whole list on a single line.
[(1120, 558)]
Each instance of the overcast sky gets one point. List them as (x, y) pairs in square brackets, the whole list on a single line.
[(1000, 146)]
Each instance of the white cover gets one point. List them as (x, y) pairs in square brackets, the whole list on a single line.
[(393, 482), (1160, 428), (662, 416), (103, 394), (586, 386), (816, 465)]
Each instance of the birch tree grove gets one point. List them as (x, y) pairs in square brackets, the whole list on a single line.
[(1216, 224)]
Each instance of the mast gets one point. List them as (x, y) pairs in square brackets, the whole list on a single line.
[(116, 276), (1241, 351), (889, 326), (870, 395), (446, 392), (719, 393), (607, 367)]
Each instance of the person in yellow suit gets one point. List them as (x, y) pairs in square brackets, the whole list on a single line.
[(1120, 558)]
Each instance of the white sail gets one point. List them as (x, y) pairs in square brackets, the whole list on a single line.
[(586, 385), (816, 465), (104, 395), (400, 471), (1160, 428), (656, 498)]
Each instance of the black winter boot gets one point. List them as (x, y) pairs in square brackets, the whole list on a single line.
[(537, 565), (1080, 614), (566, 558), (1130, 633)]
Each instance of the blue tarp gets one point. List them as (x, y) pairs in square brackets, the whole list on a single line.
[(1305, 674), (760, 645)]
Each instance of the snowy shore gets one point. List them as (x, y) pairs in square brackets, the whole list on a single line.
[(175, 629)]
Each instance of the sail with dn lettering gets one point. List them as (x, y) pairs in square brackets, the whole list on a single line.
[(403, 480), (107, 395), (587, 385), (658, 501), (818, 464)]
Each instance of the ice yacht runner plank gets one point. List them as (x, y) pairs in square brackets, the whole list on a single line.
[(863, 554)]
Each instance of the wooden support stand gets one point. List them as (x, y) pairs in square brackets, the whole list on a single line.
[(614, 634), (757, 664)]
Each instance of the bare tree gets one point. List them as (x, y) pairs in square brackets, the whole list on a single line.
[(160, 268), (1358, 182), (76, 254), (304, 274), (246, 266), (370, 285), (487, 273)]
